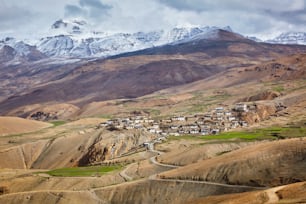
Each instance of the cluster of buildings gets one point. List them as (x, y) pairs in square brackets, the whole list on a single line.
[(217, 120)]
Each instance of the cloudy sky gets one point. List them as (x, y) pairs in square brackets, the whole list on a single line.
[(261, 18)]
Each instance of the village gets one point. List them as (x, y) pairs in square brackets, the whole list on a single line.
[(220, 119)]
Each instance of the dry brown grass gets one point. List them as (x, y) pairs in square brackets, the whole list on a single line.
[(294, 193), (267, 164), (182, 154), (14, 125)]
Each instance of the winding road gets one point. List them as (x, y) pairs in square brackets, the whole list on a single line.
[(271, 193), (123, 173), (154, 161)]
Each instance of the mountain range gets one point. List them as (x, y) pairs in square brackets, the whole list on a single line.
[(132, 74), (75, 39), (82, 66)]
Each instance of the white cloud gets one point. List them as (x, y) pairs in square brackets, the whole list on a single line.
[(262, 18)]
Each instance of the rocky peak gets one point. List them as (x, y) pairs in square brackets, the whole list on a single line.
[(7, 53)]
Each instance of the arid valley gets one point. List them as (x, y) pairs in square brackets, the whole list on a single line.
[(215, 118)]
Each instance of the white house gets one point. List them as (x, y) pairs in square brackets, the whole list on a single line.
[(241, 107), (194, 131), (179, 118), (152, 130), (228, 113), (231, 118), (219, 109)]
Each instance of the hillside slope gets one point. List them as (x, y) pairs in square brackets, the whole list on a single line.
[(261, 165), (294, 193), (14, 125), (140, 73)]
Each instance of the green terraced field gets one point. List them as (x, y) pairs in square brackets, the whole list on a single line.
[(84, 171)]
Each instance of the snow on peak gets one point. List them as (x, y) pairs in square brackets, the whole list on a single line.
[(202, 33), (78, 45), (290, 38), (74, 38), (21, 48)]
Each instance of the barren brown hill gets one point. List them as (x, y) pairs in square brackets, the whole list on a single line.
[(143, 191), (285, 68), (77, 143), (14, 125), (228, 87), (20, 78), (264, 164), (183, 153), (293, 193), (45, 112), (265, 95), (104, 85)]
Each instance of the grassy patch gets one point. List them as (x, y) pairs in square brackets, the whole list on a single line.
[(152, 112), (105, 116), (236, 135), (84, 171), (225, 136), (286, 132), (201, 107), (220, 96), (184, 137), (201, 103), (58, 123), (257, 134), (279, 88)]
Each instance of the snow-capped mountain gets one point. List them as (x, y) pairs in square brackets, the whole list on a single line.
[(85, 43), (75, 39), (290, 38), (17, 51), (20, 47)]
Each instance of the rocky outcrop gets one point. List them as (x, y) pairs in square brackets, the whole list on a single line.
[(266, 95), (3, 190), (119, 145), (96, 152), (261, 112)]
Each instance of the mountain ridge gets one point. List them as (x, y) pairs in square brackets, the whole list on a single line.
[(76, 39), (290, 38)]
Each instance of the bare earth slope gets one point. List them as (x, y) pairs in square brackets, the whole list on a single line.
[(14, 125), (77, 143), (293, 193), (264, 164), (280, 69)]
